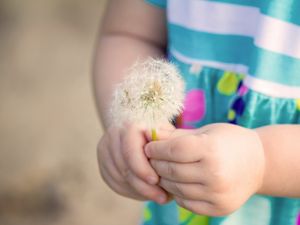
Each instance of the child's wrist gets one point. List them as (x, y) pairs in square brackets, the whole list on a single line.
[(262, 183)]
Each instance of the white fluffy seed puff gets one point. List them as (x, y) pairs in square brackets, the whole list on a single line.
[(151, 94)]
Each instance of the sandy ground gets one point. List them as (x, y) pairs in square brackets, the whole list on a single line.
[(48, 123)]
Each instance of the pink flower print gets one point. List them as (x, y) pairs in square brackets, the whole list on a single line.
[(242, 90), (194, 108)]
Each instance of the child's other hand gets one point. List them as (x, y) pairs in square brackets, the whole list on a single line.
[(124, 165), (212, 170)]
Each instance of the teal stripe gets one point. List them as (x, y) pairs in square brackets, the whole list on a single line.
[(286, 10), (236, 49), (158, 3), (275, 67), (202, 45)]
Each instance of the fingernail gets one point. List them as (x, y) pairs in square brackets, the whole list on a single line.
[(151, 180), (161, 199)]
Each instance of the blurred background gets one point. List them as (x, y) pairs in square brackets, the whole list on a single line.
[(48, 123)]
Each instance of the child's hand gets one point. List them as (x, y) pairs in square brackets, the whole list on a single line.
[(124, 166), (212, 170)]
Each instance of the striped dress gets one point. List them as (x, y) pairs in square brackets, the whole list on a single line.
[(240, 60)]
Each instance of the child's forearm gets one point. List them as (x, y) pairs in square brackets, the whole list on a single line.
[(282, 155), (116, 53), (131, 30)]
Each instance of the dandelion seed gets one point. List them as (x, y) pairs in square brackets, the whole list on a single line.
[(151, 94)]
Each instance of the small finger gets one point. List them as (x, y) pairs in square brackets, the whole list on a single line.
[(117, 158), (114, 179), (124, 189), (108, 160), (184, 149), (132, 143), (180, 172), (150, 192), (187, 191)]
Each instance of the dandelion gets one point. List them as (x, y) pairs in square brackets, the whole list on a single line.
[(151, 94)]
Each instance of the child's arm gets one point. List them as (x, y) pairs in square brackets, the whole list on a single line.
[(131, 30), (282, 160), (215, 169)]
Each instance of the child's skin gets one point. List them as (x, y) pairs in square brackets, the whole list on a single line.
[(212, 170)]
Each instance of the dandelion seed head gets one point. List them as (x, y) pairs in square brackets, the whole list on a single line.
[(151, 94)]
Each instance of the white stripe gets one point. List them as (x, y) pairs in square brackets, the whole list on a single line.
[(271, 88), (261, 86), (213, 17), (223, 18), (278, 36), (238, 68)]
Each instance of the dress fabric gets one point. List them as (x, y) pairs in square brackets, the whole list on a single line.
[(240, 60)]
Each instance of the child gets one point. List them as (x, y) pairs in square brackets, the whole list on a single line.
[(240, 60)]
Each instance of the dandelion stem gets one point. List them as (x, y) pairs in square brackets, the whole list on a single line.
[(154, 134)]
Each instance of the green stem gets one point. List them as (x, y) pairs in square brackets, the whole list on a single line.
[(154, 134)]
